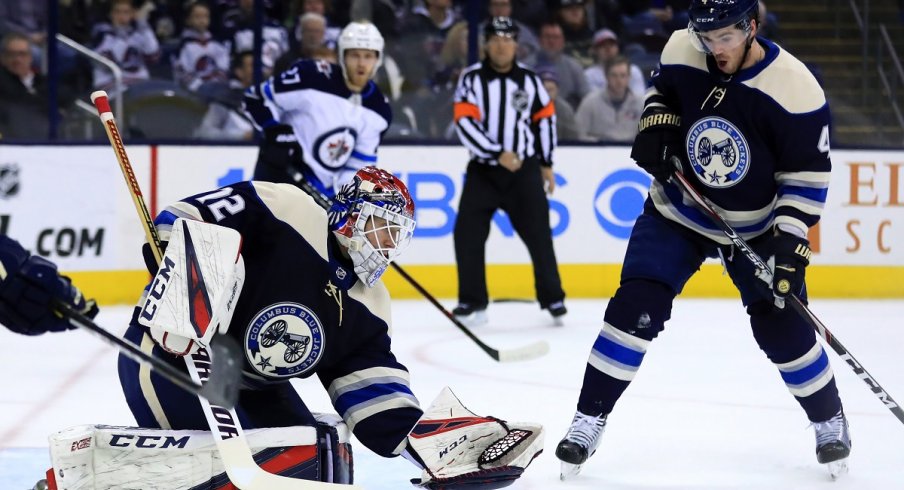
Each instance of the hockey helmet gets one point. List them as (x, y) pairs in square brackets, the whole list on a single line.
[(500, 26), (373, 217), (360, 35), (710, 15)]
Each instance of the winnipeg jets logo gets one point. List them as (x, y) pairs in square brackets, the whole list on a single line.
[(284, 340), (718, 152), (334, 148), (519, 100)]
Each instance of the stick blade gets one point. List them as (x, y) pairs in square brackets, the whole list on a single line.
[(222, 388), (525, 353)]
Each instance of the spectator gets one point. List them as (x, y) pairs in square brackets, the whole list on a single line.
[(566, 124), (422, 39), (224, 118), (605, 48), (310, 36), (128, 42), (28, 18), (572, 84), (325, 54), (572, 16), (238, 23), (330, 33), (611, 114), (201, 59), (386, 15), (768, 23), (528, 44), (23, 93)]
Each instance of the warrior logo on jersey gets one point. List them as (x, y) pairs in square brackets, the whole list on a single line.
[(334, 148), (284, 340), (520, 100), (718, 152)]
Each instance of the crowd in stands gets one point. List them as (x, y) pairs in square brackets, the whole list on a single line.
[(595, 56)]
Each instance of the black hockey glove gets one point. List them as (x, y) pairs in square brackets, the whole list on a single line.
[(280, 135), (658, 139), (791, 256), (280, 146), (29, 285)]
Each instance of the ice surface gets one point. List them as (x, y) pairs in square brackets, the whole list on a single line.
[(706, 411)]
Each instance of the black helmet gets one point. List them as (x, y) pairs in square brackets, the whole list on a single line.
[(709, 15), (500, 26)]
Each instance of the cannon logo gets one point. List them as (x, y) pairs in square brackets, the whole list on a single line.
[(718, 152), (284, 340)]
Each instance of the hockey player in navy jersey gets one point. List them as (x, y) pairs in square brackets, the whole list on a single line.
[(29, 285), (750, 125), (313, 303), (321, 121)]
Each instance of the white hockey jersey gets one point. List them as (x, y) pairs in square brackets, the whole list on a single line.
[(201, 59), (129, 47), (338, 131)]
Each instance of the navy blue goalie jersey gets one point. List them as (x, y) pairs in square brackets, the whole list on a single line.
[(756, 143), (302, 310)]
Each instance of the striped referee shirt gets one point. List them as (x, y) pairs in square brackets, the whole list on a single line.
[(496, 112)]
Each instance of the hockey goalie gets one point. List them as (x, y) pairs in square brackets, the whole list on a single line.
[(300, 289)]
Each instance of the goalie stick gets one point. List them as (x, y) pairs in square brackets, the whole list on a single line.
[(238, 461), (523, 353), (762, 269)]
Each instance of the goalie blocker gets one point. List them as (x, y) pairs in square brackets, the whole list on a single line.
[(102, 457)]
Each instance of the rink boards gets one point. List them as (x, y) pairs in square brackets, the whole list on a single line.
[(70, 203)]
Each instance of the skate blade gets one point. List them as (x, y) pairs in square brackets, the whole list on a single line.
[(558, 321), (837, 468), (475, 319), (569, 470)]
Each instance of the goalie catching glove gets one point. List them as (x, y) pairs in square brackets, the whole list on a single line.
[(194, 292), (459, 449)]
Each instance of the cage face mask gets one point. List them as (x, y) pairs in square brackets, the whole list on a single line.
[(373, 216)]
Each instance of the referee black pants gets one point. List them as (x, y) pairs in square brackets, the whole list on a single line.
[(521, 195)]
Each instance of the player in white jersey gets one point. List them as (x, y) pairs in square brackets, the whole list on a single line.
[(321, 121)]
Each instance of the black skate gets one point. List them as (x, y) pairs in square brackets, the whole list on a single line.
[(833, 444), (580, 442)]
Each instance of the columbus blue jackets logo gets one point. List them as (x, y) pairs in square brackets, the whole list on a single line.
[(284, 340), (718, 152), (334, 148)]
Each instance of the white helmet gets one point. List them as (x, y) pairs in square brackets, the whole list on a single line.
[(360, 35)]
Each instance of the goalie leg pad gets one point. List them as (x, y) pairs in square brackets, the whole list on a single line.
[(99, 457), (460, 449)]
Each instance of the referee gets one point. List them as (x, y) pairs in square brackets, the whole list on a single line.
[(505, 118)]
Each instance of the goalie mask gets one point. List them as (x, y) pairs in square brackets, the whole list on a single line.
[(373, 217)]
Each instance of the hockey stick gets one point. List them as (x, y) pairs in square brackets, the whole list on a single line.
[(524, 353), (238, 461), (765, 273), (222, 387)]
